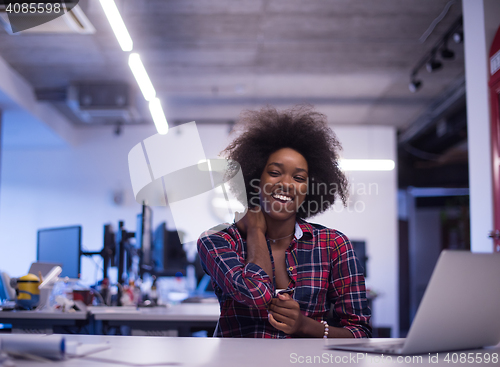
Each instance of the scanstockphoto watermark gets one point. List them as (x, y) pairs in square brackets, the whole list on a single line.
[(355, 358), (454, 358), (319, 188), (352, 206), (319, 191), (26, 14)]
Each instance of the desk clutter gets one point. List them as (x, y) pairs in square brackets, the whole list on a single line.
[(50, 292), (149, 285), (49, 304)]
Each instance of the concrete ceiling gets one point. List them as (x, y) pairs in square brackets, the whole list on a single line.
[(209, 59)]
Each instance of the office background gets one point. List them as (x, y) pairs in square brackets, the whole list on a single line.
[(55, 172)]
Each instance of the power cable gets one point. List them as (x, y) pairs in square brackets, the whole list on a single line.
[(436, 21)]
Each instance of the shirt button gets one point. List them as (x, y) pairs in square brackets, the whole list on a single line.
[(290, 268)]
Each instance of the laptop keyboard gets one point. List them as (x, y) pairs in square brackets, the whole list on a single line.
[(382, 347), (386, 347)]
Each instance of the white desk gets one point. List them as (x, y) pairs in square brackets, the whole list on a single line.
[(143, 351), (176, 320), (41, 322)]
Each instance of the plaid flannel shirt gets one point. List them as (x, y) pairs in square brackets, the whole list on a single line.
[(323, 271)]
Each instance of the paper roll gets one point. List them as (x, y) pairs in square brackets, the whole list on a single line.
[(47, 346), (51, 277)]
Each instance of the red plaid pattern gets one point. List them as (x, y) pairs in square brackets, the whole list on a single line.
[(323, 270)]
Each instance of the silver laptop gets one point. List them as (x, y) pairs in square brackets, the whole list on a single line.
[(460, 309), (42, 267)]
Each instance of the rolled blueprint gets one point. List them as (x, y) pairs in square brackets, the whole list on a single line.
[(47, 346)]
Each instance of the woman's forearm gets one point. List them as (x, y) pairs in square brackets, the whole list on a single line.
[(257, 251), (245, 283)]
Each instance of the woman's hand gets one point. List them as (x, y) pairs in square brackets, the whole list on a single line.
[(253, 220), (285, 315), (253, 226)]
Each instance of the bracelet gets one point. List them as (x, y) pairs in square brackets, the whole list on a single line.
[(325, 324)]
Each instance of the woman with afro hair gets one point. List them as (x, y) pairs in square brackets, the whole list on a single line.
[(275, 274)]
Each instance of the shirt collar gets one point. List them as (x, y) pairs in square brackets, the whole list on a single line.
[(301, 227), (298, 231)]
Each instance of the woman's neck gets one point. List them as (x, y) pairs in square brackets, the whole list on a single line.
[(281, 231)]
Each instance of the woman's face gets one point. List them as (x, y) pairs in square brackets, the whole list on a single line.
[(283, 184)]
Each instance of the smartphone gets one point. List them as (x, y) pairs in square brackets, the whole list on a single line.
[(285, 291)]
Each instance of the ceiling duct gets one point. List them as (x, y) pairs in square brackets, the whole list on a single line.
[(452, 98), (102, 104), (73, 21)]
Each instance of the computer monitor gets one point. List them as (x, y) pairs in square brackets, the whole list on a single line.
[(168, 254), (61, 245), (360, 251), (144, 238), (108, 251)]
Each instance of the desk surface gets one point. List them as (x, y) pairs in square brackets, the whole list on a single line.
[(149, 351), (42, 315), (179, 312)]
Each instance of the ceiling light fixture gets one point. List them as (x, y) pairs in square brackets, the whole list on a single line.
[(158, 116), (433, 64), (458, 37), (447, 54), (367, 164), (117, 24), (414, 85), (136, 65), (440, 48), (141, 75)]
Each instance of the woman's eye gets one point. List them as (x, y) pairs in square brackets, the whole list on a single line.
[(274, 173), (300, 178)]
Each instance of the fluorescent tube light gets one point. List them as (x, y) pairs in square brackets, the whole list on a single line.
[(141, 75), (116, 22), (367, 164), (158, 116)]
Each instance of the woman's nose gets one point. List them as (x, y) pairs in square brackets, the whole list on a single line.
[(288, 184)]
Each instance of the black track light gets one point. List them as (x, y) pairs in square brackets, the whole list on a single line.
[(414, 85), (458, 37), (433, 59), (447, 54), (433, 65)]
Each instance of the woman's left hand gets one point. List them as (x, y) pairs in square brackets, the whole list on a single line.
[(285, 315)]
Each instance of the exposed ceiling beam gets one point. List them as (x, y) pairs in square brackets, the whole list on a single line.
[(20, 94)]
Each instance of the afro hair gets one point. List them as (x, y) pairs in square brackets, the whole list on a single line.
[(302, 129)]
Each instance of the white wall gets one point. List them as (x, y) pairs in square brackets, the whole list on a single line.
[(481, 20), (372, 215), (69, 185)]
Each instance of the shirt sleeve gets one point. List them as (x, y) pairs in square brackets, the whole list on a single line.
[(347, 289), (245, 283)]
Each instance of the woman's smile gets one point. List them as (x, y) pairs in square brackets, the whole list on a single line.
[(283, 183)]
